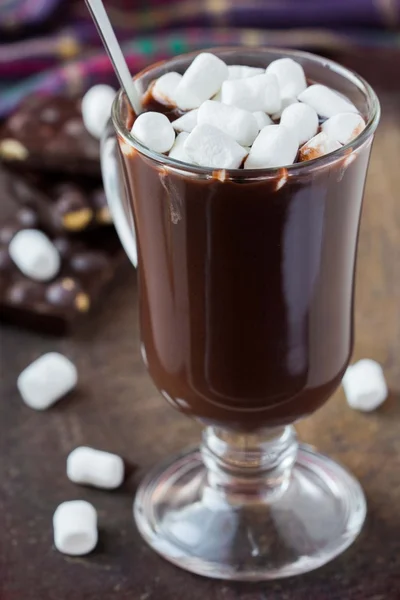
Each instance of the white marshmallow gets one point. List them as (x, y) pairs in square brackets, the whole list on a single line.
[(178, 151), (186, 122), (236, 122), (318, 146), (364, 385), (290, 74), (285, 102), (95, 467), (96, 108), (302, 119), (262, 119), (260, 92), (154, 130), (210, 147), (46, 380), (164, 88), (75, 527), (344, 127), (242, 71), (35, 255), (201, 80), (275, 146), (326, 101)]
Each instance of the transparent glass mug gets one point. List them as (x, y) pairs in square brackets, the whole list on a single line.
[(246, 285)]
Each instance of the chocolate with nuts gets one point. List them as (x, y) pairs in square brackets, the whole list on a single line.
[(88, 265), (47, 133), (62, 206)]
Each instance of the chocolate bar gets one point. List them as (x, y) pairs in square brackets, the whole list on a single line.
[(62, 206), (88, 265), (47, 132)]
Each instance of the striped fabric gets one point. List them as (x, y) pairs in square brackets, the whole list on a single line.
[(52, 45)]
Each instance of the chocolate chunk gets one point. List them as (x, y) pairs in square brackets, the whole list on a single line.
[(89, 264), (102, 212), (47, 132), (28, 218), (67, 292), (69, 206), (89, 261)]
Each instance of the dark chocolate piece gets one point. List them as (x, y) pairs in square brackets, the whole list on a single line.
[(89, 264), (47, 133), (66, 207)]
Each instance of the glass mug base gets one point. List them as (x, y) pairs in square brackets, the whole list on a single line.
[(225, 523)]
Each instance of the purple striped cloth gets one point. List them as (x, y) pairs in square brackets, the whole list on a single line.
[(52, 45)]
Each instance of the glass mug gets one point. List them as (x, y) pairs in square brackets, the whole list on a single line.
[(246, 287)]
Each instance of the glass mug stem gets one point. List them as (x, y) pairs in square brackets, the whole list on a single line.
[(256, 466)]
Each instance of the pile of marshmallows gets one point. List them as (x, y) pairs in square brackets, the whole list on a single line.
[(52, 376), (231, 112), (41, 384)]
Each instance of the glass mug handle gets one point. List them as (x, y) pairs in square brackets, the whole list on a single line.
[(115, 193)]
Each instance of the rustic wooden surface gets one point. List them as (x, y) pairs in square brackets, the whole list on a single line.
[(117, 408)]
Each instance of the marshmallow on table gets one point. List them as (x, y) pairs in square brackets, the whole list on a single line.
[(260, 92), (208, 146), (75, 528), (262, 119), (301, 119), (236, 122), (275, 146), (35, 255), (243, 71), (326, 101), (154, 130), (318, 146), (290, 74), (201, 80), (285, 102), (344, 127), (95, 467), (186, 122), (364, 385), (178, 151), (164, 88), (46, 380), (96, 108)]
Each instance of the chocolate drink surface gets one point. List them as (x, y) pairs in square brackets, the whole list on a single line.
[(246, 286)]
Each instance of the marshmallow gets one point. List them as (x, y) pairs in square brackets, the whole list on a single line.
[(285, 102), (236, 122), (210, 147), (178, 151), (46, 380), (164, 88), (154, 130), (325, 101), (302, 120), (275, 146), (242, 71), (290, 74), (344, 127), (186, 122), (262, 119), (75, 528), (260, 92), (364, 385), (96, 108), (35, 255), (318, 146), (201, 80), (217, 97), (95, 467)]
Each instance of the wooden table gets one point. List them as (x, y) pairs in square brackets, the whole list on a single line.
[(117, 408)]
